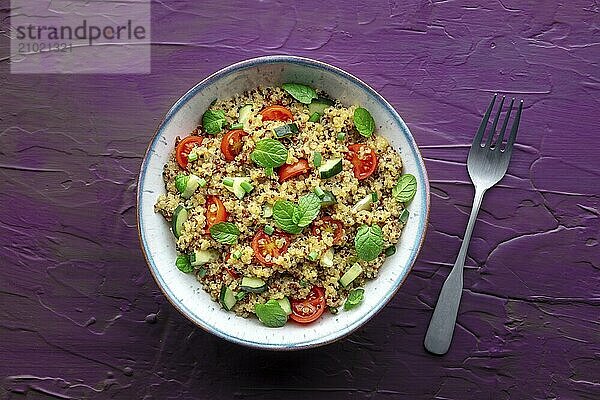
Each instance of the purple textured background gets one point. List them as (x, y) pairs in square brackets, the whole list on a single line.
[(81, 317)]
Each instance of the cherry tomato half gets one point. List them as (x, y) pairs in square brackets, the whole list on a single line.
[(267, 247), (184, 147), (365, 164), (231, 145), (288, 171), (215, 211), (276, 113), (310, 309), (328, 224)]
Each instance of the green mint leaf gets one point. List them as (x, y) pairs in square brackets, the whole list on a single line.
[(269, 153), (302, 93), (225, 232), (404, 216), (213, 121), (271, 314), (405, 189), (368, 242), (308, 208), (283, 213), (363, 122), (355, 297), (183, 263), (181, 181)]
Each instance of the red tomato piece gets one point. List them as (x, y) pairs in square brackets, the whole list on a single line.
[(267, 247), (328, 224), (289, 171), (310, 309), (184, 147), (364, 160), (276, 113), (231, 145), (215, 211)]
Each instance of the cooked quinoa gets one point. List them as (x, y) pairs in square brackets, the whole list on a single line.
[(293, 273)]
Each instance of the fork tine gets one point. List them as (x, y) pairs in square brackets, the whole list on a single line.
[(498, 141), (495, 124), (484, 121), (515, 127)]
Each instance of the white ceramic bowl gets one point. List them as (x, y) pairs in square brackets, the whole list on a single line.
[(158, 244)]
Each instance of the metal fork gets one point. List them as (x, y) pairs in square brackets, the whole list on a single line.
[(487, 164)]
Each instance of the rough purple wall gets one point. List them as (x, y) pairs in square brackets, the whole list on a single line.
[(81, 317)]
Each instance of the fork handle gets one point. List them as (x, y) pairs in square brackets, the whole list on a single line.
[(441, 327)]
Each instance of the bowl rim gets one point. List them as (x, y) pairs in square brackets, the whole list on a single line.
[(240, 66)]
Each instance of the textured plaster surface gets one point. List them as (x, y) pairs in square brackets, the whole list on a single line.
[(81, 317)]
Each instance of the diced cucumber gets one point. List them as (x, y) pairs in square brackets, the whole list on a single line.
[(390, 251), (327, 258), (314, 117), (320, 105), (180, 215), (234, 185), (286, 130), (192, 184), (254, 285), (313, 255), (404, 216), (330, 168), (328, 199), (285, 305), (364, 203), (227, 298), (245, 113), (237, 126), (201, 257), (353, 272), (267, 210)]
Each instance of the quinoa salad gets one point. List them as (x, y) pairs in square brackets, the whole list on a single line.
[(283, 202)]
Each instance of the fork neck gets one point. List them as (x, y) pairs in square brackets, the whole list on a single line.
[(462, 254)]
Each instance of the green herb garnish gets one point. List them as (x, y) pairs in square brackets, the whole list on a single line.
[(302, 93), (405, 189), (291, 217), (237, 126), (225, 232), (368, 242), (317, 159), (240, 295), (192, 157), (213, 121), (355, 297), (271, 314), (183, 263), (283, 213), (363, 122), (269, 230), (269, 153), (308, 208)]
